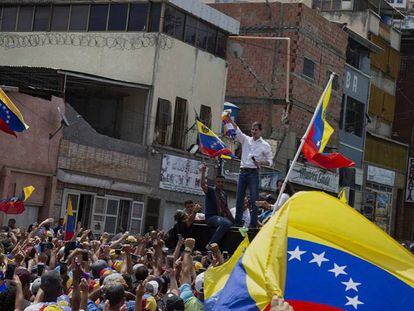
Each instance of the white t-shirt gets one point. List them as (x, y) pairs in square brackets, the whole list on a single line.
[(245, 218), (282, 201)]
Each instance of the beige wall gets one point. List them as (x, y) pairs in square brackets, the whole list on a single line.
[(194, 75), (177, 69)]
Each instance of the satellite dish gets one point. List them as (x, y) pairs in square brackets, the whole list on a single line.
[(63, 118), (236, 49)]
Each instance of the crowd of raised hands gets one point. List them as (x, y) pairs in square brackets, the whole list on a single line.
[(42, 271)]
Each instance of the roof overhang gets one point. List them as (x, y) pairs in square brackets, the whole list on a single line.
[(363, 41)]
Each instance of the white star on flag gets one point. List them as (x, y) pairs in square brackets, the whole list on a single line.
[(319, 259), (295, 254), (318, 143), (353, 302), (338, 270), (351, 285)]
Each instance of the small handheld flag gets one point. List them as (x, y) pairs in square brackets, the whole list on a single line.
[(15, 205), (228, 128), (318, 136), (69, 222), (210, 144), (11, 119)]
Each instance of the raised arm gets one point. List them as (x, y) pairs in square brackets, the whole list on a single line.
[(241, 137)]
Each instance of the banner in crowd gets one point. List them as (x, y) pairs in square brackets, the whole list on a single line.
[(180, 174)]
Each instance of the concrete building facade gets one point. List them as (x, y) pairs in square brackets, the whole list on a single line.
[(132, 76)]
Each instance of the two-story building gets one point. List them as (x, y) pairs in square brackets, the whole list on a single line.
[(133, 75)]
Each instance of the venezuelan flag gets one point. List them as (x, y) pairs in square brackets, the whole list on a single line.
[(15, 205), (11, 120), (336, 259), (69, 222), (210, 144), (228, 128), (318, 138), (215, 278)]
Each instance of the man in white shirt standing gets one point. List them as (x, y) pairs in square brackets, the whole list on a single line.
[(255, 153)]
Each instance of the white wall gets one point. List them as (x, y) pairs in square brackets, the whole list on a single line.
[(194, 75), (180, 69)]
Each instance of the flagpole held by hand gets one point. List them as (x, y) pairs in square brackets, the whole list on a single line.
[(302, 142)]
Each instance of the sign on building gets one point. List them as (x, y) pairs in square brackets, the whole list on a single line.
[(180, 174), (315, 177), (409, 192), (380, 176)]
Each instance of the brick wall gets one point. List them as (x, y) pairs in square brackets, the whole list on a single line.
[(312, 36), (101, 162)]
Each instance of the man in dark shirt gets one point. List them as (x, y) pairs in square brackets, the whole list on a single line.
[(216, 209)]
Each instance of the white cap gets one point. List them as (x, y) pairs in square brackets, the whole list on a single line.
[(199, 282), (152, 286)]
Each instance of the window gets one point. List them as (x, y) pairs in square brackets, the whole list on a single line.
[(205, 115), (98, 17), (163, 121), (79, 17), (190, 35), (117, 16), (308, 67), (212, 40), (41, 18), (174, 22), (221, 44), (8, 21), (25, 18), (155, 17), (138, 17), (180, 123), (60, 18), (202, 35), (137, 214), (354, 117), (179, 24)]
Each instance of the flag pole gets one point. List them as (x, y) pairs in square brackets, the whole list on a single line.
[(302, 142)]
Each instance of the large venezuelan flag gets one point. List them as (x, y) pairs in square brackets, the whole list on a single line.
[(11, 120), (336, 260), (210, 144), (69, 222), (318, 138)]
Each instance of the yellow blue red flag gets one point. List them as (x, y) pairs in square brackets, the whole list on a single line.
[(15, 205), (210, 144), (318, 138), (215, 278), (336, 259), (69, 222), (11, 119)]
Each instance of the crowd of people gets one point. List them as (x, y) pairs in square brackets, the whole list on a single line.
[(42, 271)]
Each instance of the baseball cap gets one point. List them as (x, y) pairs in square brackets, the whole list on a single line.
[(199, 283), (152, 286), (34, 287)]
